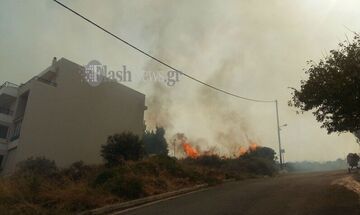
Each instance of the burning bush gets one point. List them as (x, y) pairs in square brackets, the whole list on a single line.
[(254, 161)]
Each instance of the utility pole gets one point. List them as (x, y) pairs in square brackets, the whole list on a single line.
[(278, 128), (174, 141)]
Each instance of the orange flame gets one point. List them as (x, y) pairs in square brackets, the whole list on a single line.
[(190, 151), (252, 147), (242, 150)]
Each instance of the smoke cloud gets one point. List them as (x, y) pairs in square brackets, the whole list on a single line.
[(255, 49)]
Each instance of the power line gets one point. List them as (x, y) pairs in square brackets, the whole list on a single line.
[(157, 59)]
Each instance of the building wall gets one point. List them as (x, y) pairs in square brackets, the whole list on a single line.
[(70, 122)]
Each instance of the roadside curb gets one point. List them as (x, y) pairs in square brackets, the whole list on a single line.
[(129, 204), (137, 202)]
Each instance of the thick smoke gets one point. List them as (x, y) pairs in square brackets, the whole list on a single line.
[(252, 48), (218, 125)]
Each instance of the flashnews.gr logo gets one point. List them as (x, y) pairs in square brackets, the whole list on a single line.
[(94, 73)]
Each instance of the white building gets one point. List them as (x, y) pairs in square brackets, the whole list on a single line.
[(61, 117)]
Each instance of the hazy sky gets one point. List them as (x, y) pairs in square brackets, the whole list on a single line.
[(255, 49)]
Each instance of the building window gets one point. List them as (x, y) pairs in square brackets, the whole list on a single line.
[(3, 131), (16, 132)]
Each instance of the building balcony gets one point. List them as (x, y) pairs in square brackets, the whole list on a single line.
[(12, 144), (8, 91), (3, 144), (6, 115)]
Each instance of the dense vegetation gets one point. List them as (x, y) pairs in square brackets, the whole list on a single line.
[(155, 142), (40, 187), (332, 90)]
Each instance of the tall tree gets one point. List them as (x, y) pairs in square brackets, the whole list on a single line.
[(155, 142), (332, 90)]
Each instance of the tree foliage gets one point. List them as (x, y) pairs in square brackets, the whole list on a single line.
[(155, 142), (262, 152), (122, 147), (332, 90)]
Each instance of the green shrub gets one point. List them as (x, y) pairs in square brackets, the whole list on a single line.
[(77, 170), (193, 175), (29, 183), (122, 147), (212, 181), (129, 187), (259, 166), (212, 161), (261, 152), (103, 177), (169, 164), (39, 166), (146, 167), (155, 142)]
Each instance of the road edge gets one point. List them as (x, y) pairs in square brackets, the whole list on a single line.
[(350, 183), (119, 207), (133, 203)]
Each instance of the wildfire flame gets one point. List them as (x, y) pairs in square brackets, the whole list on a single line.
[(190, 151), (180, 141), (252, 147), (242, 150)]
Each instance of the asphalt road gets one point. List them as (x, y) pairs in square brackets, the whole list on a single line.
[(306, 193)]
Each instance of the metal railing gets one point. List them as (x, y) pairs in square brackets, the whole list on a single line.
[(43, 80), (46, 81), (8, 84), (6, 111)]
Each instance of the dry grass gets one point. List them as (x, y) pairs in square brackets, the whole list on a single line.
[(68, 193), (82, 187)]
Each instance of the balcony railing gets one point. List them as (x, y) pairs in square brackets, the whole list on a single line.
[(8, 84), (46, 81), (43, 80), (6, 111)]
